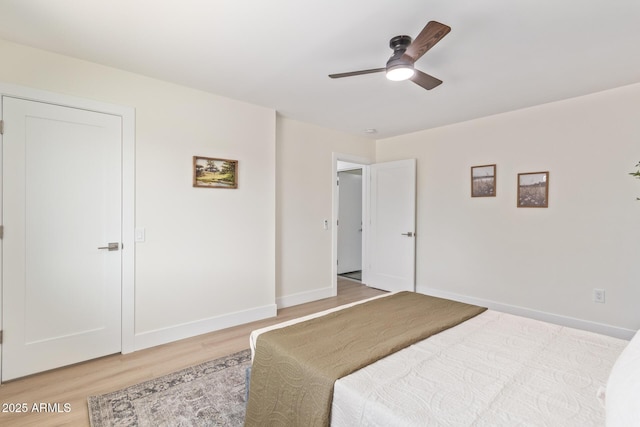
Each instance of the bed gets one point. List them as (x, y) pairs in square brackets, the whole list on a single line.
[(491, 369)]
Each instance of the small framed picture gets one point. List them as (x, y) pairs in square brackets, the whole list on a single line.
[(209, 172), (533, 190), (483, 181)]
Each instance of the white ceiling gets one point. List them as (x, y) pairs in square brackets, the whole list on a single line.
[(500, 55)]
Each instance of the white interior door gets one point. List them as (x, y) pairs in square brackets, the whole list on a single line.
[(61, 204), (350, 221), (392, 225)]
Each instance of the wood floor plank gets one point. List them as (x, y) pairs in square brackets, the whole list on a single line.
[(73, 384)]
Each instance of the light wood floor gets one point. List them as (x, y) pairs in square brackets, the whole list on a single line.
[(75, 383)]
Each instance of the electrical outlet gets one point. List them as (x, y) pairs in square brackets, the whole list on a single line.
[(598, 295)]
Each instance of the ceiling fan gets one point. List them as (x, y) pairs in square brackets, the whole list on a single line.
[(405, 53)]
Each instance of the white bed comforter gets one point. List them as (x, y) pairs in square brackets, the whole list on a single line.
[(493, 370)]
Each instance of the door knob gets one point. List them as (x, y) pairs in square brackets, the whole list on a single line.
[(113, 246), (410, 234)]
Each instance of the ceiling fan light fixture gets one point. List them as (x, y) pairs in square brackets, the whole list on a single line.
[(400, 72)]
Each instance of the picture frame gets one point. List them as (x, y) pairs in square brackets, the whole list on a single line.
[(483, 181), (533, 190), (211, 172)]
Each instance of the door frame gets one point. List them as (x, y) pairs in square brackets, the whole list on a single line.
[(365, 162), (127, 115)]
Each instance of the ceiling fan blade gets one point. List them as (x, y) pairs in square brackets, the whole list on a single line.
[(431, 34), (425, 80), (356, 73)]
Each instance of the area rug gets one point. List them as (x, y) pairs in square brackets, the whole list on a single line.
[(210, 394)]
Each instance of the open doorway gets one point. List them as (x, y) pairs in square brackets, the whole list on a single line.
[(349, 222), (389, 222), (349, 212)]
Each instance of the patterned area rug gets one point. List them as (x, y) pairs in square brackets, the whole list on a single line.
[(210, 394)]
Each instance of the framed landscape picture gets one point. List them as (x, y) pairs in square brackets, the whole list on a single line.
[(483, 181), (209, 172), (533, 190)]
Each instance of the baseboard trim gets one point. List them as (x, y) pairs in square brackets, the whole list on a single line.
[(191, 329), (305, 297), (557, 319)]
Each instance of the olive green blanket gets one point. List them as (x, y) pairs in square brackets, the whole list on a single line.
[(295, 367)]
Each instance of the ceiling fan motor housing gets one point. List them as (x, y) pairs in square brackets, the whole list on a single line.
[(400, 42)]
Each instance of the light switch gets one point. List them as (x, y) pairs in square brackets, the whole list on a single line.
[(139, 234)]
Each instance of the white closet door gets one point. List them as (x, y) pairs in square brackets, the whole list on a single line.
[(61, 204), (391, 247)]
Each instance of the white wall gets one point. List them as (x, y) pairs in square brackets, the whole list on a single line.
[(209, 257), (539, 260), (305, 180)]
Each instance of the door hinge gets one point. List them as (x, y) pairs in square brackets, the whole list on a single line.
[(1, 127), (1, 233), (0, 337)]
